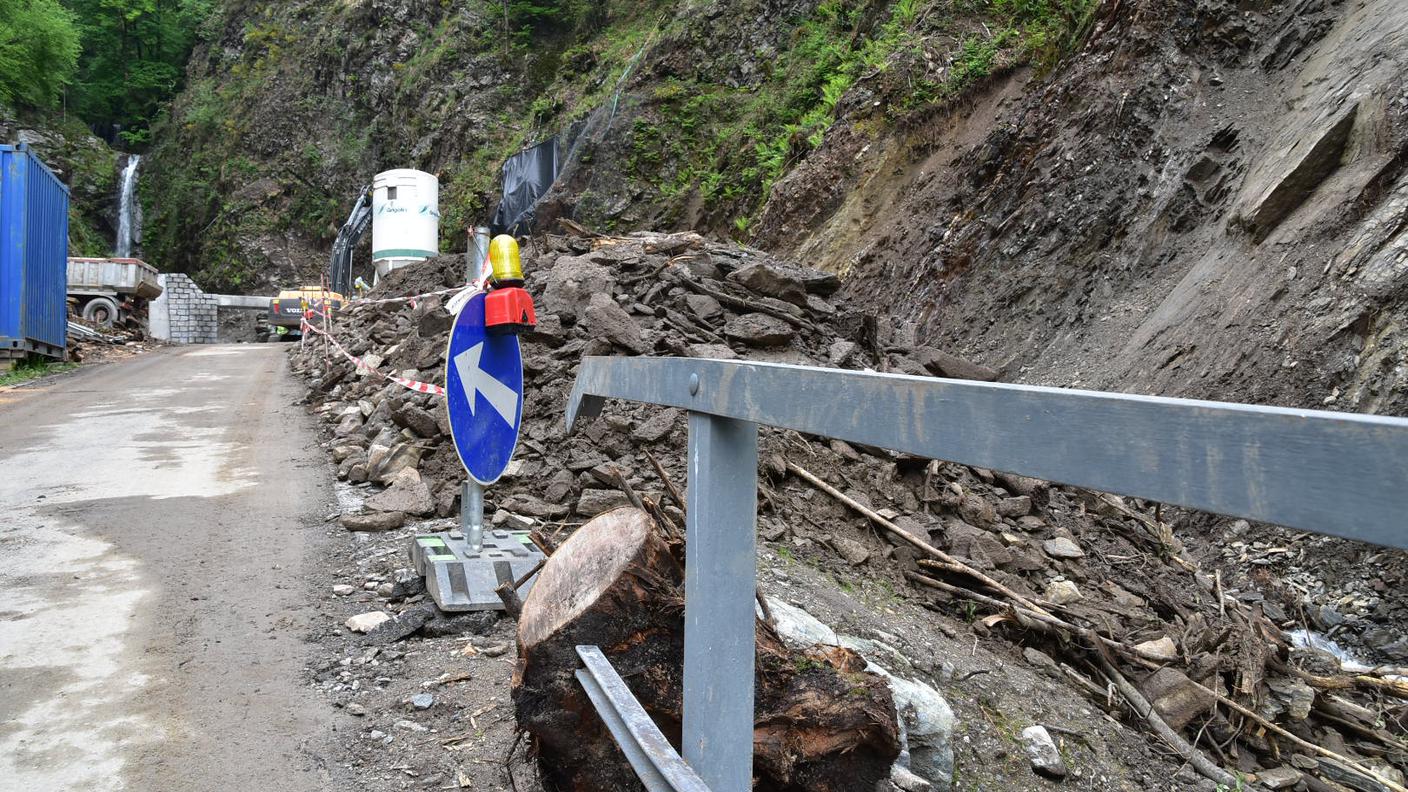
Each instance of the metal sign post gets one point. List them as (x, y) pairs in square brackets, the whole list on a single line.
[(478, 252)]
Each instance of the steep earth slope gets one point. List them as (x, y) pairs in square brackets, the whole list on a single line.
[(1208, 201), (671, 113)]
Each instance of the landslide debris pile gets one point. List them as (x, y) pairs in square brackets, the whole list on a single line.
[(1093, 589)]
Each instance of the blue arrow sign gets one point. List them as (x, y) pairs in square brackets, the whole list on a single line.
[(484, 389)]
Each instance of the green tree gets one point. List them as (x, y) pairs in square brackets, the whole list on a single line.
[(38, 51), (134, 60)]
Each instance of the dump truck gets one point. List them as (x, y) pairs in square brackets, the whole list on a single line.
[(112, 291), (286, 310)]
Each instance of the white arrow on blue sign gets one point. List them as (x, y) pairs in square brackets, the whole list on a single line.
[(484, 391)]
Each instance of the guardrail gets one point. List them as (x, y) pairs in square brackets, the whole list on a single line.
[(1331, 473)]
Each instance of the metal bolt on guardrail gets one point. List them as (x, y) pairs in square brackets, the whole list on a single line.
[(1331, 473)]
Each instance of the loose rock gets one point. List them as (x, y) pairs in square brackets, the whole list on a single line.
[(1042, 752), (365, 622)]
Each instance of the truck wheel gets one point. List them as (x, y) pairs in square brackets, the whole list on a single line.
[(100, 311)]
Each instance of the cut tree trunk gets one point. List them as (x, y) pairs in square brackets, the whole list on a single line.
[(821, 722)]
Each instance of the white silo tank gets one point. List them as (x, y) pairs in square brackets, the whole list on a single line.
[(405, 218)]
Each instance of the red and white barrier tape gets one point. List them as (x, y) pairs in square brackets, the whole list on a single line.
[(410, 384), (486, 270)]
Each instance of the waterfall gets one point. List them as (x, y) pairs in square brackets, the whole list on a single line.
[(129, 214)]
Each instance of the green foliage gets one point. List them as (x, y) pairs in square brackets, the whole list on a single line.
[(38, 51), (32, 368), (134, 60)]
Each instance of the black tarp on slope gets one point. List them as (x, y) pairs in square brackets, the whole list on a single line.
[(527, 176)]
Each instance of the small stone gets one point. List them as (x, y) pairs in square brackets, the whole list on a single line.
[(1279, 777), (1297, 696), (1062, 592), (703, 306), (907, 781), (657, 427), (1042, 752), (342, 589), (365, 622), (380, 521), (357, 710), (1061, 547), (596, 501), (422, 701), (854, 552), (840, 352), (1161, 650), (385, 590), (513, 522), (1039, 658), (1015, 507), (417, 420), (402, 625), (976, 510)]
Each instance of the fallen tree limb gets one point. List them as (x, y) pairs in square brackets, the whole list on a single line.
[(746, 305), (1190, 753), (1325, 752), (1027, 618), (670, 487), (948, 562)]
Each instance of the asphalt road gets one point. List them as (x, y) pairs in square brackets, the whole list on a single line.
[(156, 516)]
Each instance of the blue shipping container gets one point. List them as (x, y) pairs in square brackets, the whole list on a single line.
[(33, 257)]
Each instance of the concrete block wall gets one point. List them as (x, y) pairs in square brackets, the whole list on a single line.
[(184, 314)]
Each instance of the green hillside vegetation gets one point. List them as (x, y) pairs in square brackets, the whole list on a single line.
[(38, 52)]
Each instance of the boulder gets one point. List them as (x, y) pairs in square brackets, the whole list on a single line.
[(417, 420), (759, 330), (606, 319), (942, 364), (703, 306), (1174, 696), (928, 720), (798, 628), (772, 280), (407, 494), (571, 284)]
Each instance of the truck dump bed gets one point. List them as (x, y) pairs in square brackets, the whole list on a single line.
[(120, 275)]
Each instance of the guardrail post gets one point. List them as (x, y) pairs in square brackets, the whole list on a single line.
[(720, 581)]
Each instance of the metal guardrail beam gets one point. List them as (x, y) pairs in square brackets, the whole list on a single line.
[(657, 765), (1335, 473)]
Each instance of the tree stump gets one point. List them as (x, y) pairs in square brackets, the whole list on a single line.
[(821, 722)]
